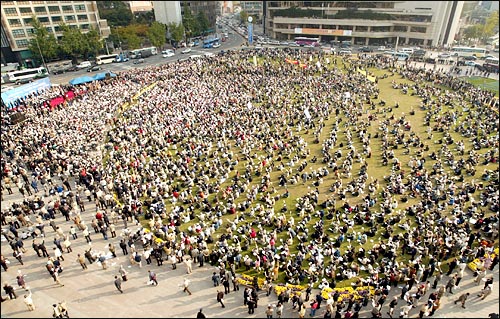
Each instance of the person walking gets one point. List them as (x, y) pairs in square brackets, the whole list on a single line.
[(28, 301), (462, 299), (220, 298), (20, 281), (123, 246), (118, 284), (269, 311), (486, 291), (185, 286), (152, 277), (392, 305), (451, 284), (81, 260), (9, 290), (215, 279), (480, 276), (55, 311), (189, 265)]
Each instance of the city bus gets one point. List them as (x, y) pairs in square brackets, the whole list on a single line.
[(154, 50), (468, 51), (105, 59), (209, 43), (307, 41), (26, 75)]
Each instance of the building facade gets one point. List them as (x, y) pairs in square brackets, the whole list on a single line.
[(167, 11), (419, 23), (207, 7), (253, 8), (140, 6), (17, 16)]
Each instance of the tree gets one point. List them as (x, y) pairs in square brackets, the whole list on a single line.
[(116, 12), (42, 41), (243, 17), (202, 21), (491, 25), (156, 34), (93, 43), (176, 31), (72, 42), (128, 36), (473, 32), (188, 22)]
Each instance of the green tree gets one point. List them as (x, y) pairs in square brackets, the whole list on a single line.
[(42, 42), (243, 16), (156, 34), (116, 12), (72, 42), (93, 43), (491, 26), (473, 32), (202, 21), (188, 22), (176, 31)]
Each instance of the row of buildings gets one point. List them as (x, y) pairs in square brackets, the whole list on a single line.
[(419, 23)]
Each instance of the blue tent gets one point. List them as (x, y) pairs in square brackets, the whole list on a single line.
[(87, 78), (81, 79)]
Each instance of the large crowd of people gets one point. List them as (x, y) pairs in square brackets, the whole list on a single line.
[(211, 154)]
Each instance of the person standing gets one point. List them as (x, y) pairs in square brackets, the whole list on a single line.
[(123, 273), (451, 284), (220, 298), (480, 276), (452, 266), (269, 311), (189, 265), (279, 310), (152, 277), (185, 285), (118, 284), (3, 263), (20, 281), (123, 246), (112, 249), (200, 314), (462, 299)]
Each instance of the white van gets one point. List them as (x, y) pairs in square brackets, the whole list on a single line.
[(84, 64), (407, 50), (345, 52)]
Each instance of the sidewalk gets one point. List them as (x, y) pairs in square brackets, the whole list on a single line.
[(91, 293)]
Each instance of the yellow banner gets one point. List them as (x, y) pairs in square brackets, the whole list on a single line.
[(369, 77)]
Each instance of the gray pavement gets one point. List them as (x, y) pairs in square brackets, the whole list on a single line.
[(91, 293)]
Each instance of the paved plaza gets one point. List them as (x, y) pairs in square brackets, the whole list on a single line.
[(91, 293)]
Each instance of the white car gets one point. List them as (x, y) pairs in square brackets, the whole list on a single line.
[(167, 53), (188, 50), (471, 63), (216, 45)]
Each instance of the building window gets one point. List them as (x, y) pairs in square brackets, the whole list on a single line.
[(28, 21), (43, 19), (56, 18), (85, 26), (82, 17), (10, 11), (54, 9), (40, 10), (25, 11), (80, 7), (49, 29), (361, 28), (22, 43), (18, 33), (30, 31), (14, 22), (69, 18), (400, 28), (67, 8), (418, 29), (57, 28)]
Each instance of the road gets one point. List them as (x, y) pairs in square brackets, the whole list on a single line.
[(234, 41)]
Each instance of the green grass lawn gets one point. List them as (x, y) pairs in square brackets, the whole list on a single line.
[(376, 170), (485, 83)]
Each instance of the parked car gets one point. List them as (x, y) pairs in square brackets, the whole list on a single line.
[(94, 67), (84, 64), (470, 63), (188, 50), (73, 68), (470, 58), (216, 45), (444, 56), (137, 61), (365, 49)]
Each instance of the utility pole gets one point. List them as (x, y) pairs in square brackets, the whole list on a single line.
[(40, 51)]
